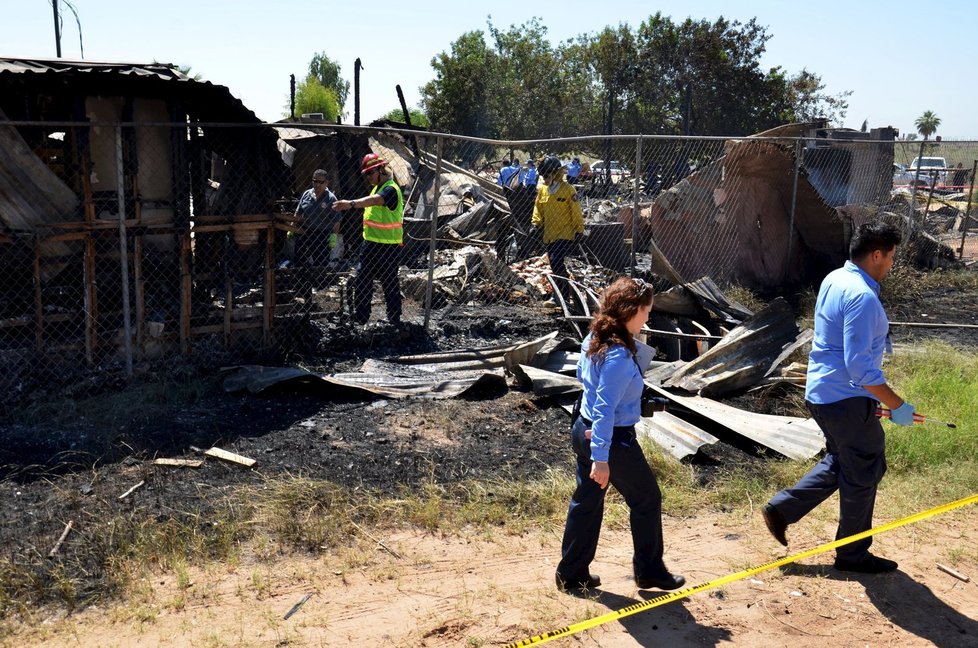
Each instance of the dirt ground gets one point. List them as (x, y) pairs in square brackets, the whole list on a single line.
[(485, 589)]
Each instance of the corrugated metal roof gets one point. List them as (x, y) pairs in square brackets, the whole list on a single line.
[(209, 101), (14, 65)]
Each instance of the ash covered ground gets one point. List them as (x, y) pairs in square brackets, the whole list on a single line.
[(72, 461)]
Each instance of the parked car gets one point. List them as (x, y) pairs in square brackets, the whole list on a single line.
[(932, 170), (901, 176), (618, 170)]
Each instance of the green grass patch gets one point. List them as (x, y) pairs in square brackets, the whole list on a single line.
[(942, 382)]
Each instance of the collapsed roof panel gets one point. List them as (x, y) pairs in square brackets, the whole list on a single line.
[(720, 220), (793, 437)]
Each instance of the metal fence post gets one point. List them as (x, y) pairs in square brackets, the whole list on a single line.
[(434, 233), (635, 211), (967, 213), (123, 250), (794, 201)]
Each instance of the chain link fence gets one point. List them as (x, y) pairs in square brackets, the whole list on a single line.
[(129, 243)]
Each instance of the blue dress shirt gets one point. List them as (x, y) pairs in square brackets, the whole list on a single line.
[(850, 337), (612, 394)]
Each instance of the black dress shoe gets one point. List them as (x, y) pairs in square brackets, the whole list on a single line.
[(564, 584), (663, 582), (869, 565), (776, 523)]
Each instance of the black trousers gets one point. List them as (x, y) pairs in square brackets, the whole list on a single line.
[(854, 466), (377, 261), (632, 476)]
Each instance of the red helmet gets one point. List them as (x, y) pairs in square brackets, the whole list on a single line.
[(370, 161)]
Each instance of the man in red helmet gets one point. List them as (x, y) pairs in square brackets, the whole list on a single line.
[(383, 237)]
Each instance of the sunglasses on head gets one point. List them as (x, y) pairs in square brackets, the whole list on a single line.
[(643, 286)]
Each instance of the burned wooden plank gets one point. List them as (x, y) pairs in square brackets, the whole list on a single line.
[(178, 463), (64, 535), (231, 457), (133, 489)]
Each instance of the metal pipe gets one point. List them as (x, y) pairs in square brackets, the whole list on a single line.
[(123, 251)]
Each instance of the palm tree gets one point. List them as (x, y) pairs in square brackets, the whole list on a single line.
[(927, 123)]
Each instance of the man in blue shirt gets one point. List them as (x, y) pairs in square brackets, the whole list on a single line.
[(509, 174), (845, 385), (573, 170), (530, 176)]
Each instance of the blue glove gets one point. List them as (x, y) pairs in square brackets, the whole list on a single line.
[(902, 415)]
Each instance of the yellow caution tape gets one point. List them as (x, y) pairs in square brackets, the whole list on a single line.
[(730, 578)]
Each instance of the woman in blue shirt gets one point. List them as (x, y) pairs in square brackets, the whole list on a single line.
[(603, 438)]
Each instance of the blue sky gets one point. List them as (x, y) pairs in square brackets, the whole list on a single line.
[(865, 46)]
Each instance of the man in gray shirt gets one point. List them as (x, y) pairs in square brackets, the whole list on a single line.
[(318, 222)]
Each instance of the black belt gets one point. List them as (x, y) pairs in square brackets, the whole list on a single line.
[(619, 433)]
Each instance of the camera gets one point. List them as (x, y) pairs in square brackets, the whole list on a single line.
[(653, 404)]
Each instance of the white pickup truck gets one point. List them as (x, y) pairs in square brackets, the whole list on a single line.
[(933, 170)]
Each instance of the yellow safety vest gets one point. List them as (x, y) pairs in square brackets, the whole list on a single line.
[(383, 225)]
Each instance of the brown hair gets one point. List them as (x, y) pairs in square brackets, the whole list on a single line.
[(619, 303)]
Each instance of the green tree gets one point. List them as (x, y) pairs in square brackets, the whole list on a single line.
[(706, 77), (457, 100), (311, 96), (418, 118), (693, 77), (809, 101), (327, 71), (186, 71)]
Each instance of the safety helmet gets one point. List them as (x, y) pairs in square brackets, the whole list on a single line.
[(549, 165), (370, 161)]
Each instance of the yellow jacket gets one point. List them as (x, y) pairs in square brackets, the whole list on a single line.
[(559, 213)]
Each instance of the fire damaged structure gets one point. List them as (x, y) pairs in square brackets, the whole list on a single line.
[(135, 162), (143, 211)]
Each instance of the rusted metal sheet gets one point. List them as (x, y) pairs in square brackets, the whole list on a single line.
[(445, 374), (747, 354), (675, 436), (547, 383), (405, 383), (793, 437)]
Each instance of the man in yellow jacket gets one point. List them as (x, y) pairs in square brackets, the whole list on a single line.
[(383, 237), (557, 212)]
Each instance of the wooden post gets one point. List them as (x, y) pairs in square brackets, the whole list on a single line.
[(91, 298), (139, 287), (228, 282), (186, 288), (268, 309), (38, 297)]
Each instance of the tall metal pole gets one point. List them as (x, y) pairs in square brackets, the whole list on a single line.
[(434, 233), (356, 91), (635, 210), (57, 28), (292, 96), (913, 198), (794, 202), (967, 214), (123, 250)]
